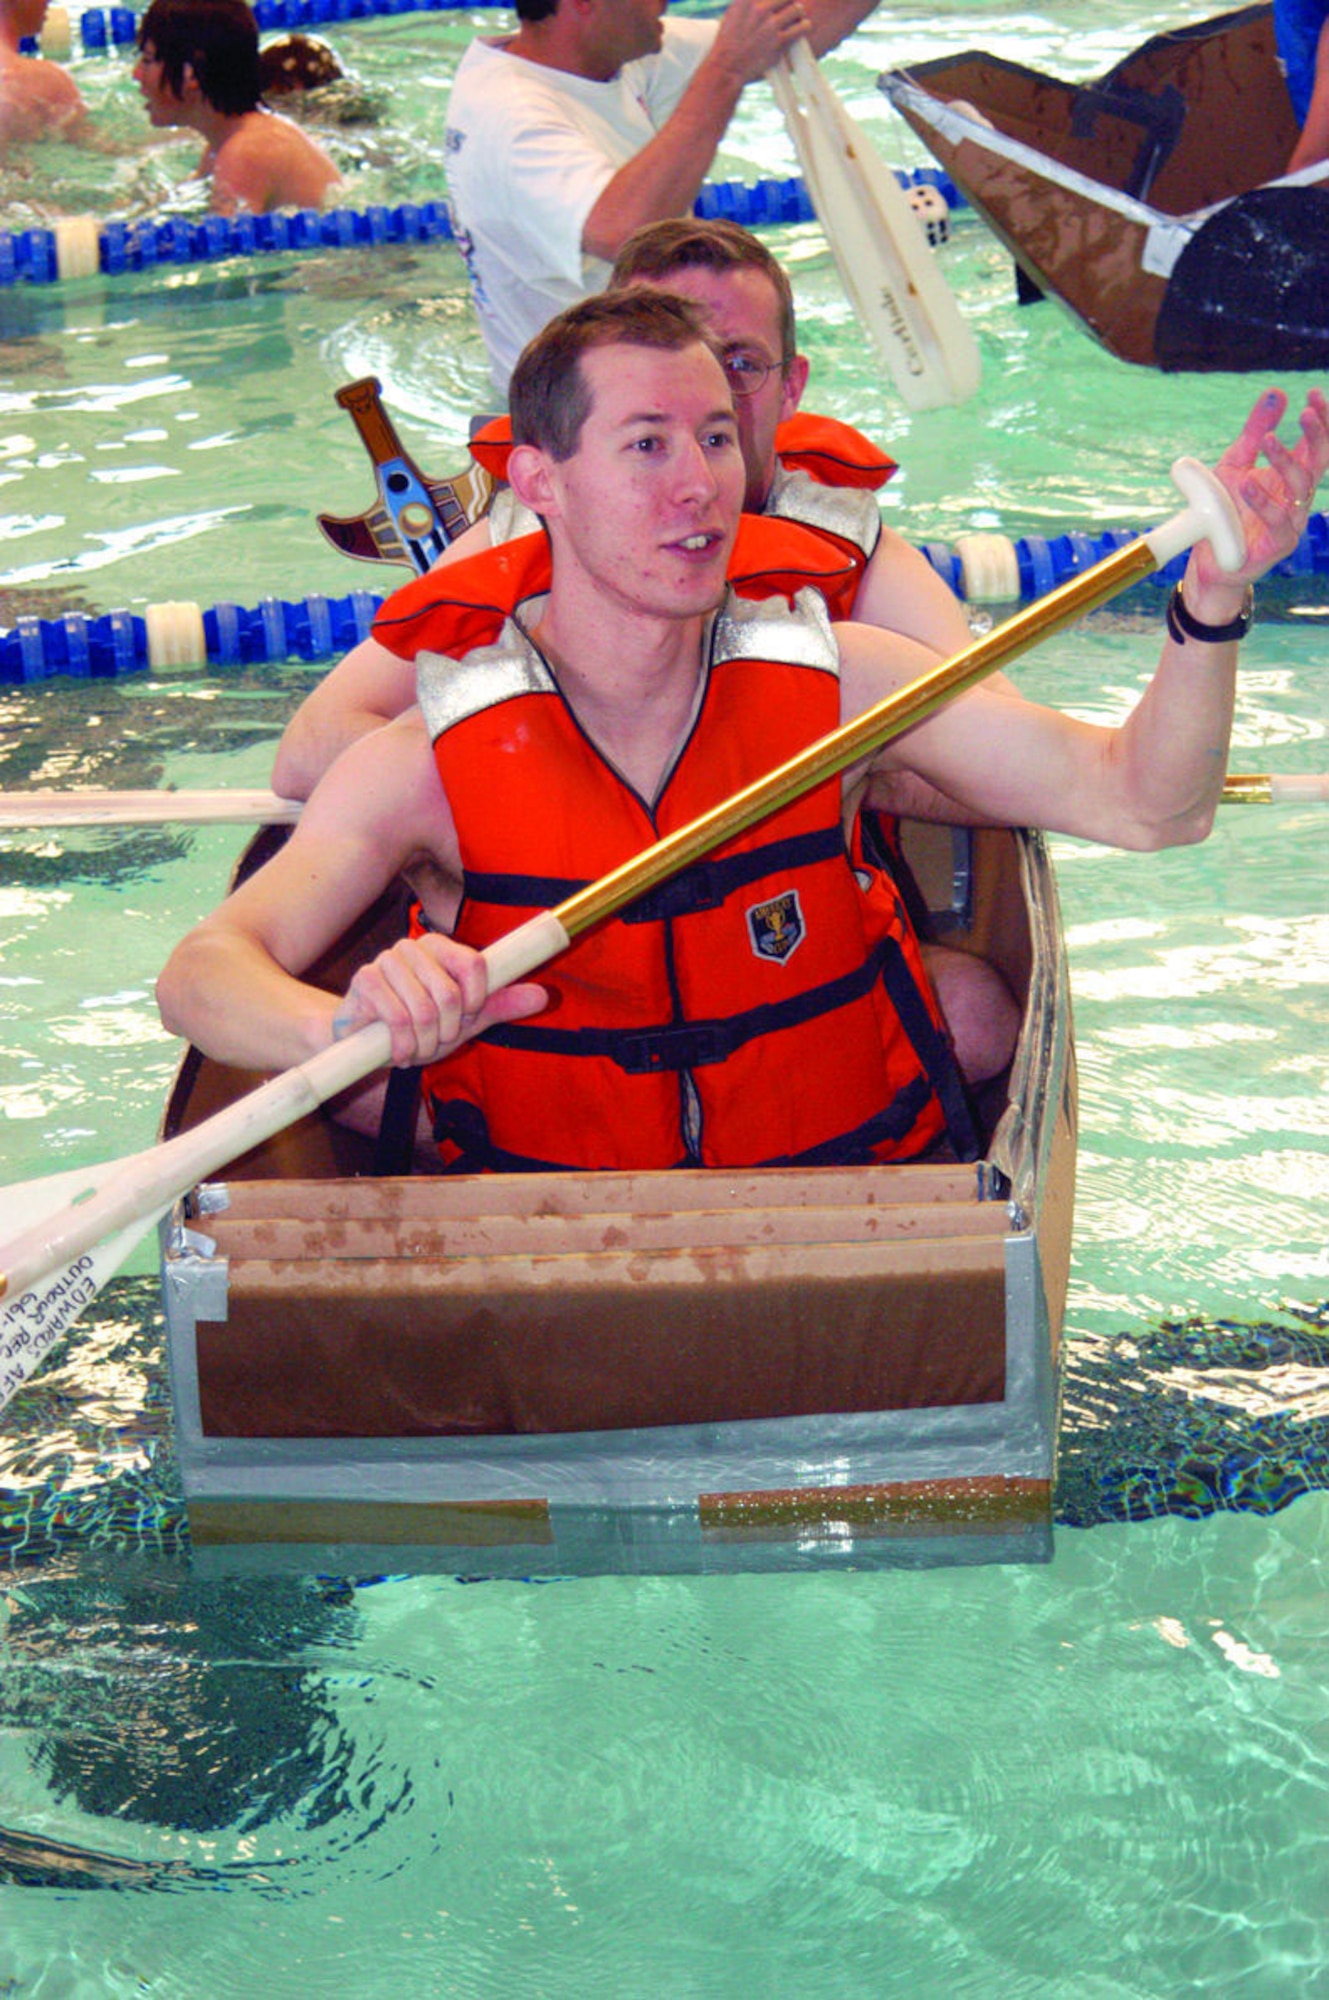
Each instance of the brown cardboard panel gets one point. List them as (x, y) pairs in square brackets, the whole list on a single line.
[(277, 1239), (573, 1344), (701, 1190)]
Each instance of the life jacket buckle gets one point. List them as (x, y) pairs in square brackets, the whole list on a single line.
[(688, 1046)]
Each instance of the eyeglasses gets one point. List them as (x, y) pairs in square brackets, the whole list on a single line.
[(747, 372)]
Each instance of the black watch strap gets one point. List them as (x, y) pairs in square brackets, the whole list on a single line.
[(1182, 625)]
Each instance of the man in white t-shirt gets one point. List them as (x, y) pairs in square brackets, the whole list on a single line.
[(595, 117)]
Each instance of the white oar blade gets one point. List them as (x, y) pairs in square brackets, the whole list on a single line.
[(45, 1305), (76, 1229), (222, 808), (31, 1324), (886, 266)]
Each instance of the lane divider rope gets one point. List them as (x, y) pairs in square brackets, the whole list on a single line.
[(980, 569), (82, 246)]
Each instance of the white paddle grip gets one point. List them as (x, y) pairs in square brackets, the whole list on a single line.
[(531, 945), (1209, 516)]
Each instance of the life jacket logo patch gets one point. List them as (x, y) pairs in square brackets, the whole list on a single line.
[(776, 928)]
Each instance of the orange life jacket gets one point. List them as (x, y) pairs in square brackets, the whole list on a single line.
[(769, 1004)]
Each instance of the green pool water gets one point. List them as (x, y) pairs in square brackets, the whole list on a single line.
[(1103, 1778)]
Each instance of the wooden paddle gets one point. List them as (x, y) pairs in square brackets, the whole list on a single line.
[(887, 269), (109, 808), (78, 1228), (21, 811)]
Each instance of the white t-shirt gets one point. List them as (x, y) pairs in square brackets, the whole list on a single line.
[(530, 150)]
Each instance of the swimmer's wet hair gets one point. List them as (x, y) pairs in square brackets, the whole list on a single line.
[(296, 62), (217, 39), (550, 399)]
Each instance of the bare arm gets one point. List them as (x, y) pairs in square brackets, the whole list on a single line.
[(362, 692), (233, 986), (665, 177), (39, 100), (369, 687), (902, 593), (1313, 145), (1154, 781)]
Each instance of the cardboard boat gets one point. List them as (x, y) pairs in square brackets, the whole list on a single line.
[(1152, 204), (578, 1373)]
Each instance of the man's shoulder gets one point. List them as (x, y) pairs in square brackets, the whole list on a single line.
[(491, 75), (496, 96), (686, 42), (47, 93), (256, 162)]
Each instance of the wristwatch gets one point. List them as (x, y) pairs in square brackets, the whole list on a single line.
[(1183, 625)]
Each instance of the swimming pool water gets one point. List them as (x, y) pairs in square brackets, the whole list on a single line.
[(1103, 1778)]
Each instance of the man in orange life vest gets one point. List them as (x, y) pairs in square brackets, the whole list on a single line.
[(807, 468), (825, 474), (579, 695), (799, 467)]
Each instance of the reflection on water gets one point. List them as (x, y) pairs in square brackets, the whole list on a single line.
[(1192, 1417), (975, 1783)]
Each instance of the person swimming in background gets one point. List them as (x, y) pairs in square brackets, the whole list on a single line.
[(295, 64), (305, 74), (38, 99), (198, 67)]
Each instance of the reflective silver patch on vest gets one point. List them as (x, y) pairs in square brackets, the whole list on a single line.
[(850, 511), (797, 637), (776, 928), (450, 691)]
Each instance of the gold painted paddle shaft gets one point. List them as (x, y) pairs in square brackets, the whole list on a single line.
[(1276, 788), (866, 733), (1251, 788)]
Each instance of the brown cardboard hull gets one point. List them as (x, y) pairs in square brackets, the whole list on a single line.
[(1148, 203), (693, 1370)]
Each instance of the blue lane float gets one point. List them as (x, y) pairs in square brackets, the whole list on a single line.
[(81, 247), (117, 27), (77, 247), (171, 635), (980, 569)]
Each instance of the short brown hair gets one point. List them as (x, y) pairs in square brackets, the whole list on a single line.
[(654, 252), (549, 398), (218, 40)]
